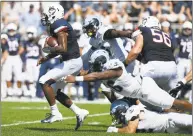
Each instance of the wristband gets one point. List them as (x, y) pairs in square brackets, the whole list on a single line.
[(183, 81), (79, 78)]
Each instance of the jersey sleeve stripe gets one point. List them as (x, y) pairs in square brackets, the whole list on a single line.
[(61, 28)]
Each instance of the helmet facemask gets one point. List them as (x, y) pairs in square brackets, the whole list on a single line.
[(11, 32), (98, 64), (187, 31), (91, 28), (30, 36), (118, 115), (44, 20)]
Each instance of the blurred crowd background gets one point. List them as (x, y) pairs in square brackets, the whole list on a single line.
[(23, 19)]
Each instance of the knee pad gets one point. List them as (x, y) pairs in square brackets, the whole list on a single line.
[(44, 80), (50, 82)]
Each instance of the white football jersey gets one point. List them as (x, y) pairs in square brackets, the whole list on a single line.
[(151, 122), (126, 84), (114, 45)]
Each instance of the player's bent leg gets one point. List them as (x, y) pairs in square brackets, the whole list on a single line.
[(81, 114), (156, 96), (182, 105), (55, 115)]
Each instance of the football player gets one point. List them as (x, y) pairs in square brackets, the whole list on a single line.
[(4, 45), (138, 119), (33, 52), (152, 47), (155, 48), (99, 38), (98, 33), (13, 62), (113, 74), (185, 50), (68, 49)]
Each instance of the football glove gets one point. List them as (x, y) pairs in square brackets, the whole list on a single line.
[(175, 91), (112, 129)]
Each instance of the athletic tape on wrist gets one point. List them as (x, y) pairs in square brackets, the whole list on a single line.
[(79, 78)]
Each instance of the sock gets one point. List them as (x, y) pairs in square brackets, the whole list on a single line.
[(75, 109), (54, 109)]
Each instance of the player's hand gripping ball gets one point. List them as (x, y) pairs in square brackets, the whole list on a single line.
[(49, 43)]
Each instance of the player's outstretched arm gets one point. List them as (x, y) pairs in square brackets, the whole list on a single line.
[(112, 33), (136, 50), (95, 76)]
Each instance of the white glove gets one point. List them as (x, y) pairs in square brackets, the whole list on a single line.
[(112, 129)]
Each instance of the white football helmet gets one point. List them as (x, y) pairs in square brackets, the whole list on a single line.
[(91, 24), (151, 22), (187, 28), (31, 32), (52, 13), (187, 24), (4, 36), (11, 29), (98, 58)]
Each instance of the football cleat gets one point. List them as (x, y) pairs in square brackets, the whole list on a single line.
[(50, 118), (80, 118)]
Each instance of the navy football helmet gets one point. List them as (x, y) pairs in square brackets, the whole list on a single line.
[(118, 110)]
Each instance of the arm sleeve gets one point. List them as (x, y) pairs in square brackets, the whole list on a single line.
[(112, 33)]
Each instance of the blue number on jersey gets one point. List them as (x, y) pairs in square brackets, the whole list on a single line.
[(32, 50), (13, 44)]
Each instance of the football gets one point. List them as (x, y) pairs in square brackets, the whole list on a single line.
[(51, 41)]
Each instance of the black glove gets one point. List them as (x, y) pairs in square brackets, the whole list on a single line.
[(173, 92)]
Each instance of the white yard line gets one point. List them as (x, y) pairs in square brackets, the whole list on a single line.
[(38, 121), (30, 108), (25, 99)]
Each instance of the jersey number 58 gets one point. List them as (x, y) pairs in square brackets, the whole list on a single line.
[(161, 37)]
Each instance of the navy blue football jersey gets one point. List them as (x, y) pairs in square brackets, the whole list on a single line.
[(156, 45), (32, 49), (13, 44), (185, 46), (72, 45)]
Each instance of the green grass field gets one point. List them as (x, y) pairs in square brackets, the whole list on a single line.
[(23, 119)]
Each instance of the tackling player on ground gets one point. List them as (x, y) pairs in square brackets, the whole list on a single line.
[(136, 118), (114, 75)]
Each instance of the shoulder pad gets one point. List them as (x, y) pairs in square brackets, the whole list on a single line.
[(113, 64), (103, 29), (133, 111)]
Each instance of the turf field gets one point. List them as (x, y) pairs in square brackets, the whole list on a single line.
[(23, 119)]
